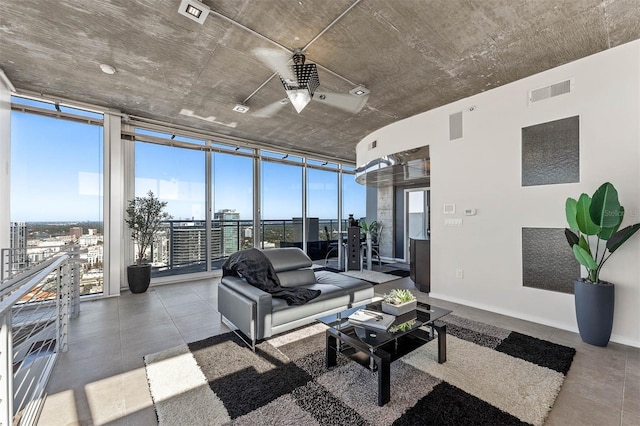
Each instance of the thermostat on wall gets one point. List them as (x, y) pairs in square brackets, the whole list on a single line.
[(449, 209), (470, 212)]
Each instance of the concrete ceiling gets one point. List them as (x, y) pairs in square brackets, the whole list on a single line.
[(414, 55)]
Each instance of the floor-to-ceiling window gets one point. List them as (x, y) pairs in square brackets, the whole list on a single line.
[(322, 207), (57, 157), (232, 204), (281, 201), (175, 174), (354, 196)]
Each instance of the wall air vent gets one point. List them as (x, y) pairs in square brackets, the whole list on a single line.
[(455, 126), (551, 91), (372, 145)]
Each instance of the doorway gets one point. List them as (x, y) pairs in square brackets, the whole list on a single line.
[(416, 208)]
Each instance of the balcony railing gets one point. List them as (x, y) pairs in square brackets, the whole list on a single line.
[(13, 261), (35, 306), (180, 246)]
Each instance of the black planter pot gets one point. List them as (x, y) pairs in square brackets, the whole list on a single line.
[(139, 278), (594, 311)]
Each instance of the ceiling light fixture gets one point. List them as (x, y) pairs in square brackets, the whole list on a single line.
[(194, 10), (241, 108), (306, 82), (359, 91), (107, 69)]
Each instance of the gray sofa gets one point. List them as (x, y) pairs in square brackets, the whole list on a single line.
[(258, 315)]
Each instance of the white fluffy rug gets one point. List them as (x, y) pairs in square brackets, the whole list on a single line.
[(492, 376)]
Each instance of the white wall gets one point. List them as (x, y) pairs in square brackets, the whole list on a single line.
[(483, 171), (5, 161)]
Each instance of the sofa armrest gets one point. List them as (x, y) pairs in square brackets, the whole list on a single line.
[(247, 307)]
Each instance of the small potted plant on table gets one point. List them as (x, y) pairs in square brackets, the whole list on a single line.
[(144, 216), (398, 302)]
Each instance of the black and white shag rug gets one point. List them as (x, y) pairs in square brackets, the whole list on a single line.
[(492, 376)]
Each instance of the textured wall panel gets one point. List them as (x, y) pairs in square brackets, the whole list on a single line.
[(547, 261), (551, 152)]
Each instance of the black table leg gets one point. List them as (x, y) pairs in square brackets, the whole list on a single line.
[(331, 354), (442, 342), (383, 359)]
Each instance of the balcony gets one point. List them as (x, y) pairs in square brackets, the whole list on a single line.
[(181, 245)]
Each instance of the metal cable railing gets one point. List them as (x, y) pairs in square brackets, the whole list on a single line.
[(12, 261), (35, 307)]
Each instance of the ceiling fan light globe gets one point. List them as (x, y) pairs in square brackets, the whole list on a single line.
[(299, 98)]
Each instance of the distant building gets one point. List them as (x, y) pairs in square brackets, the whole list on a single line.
[(95, 255), (160, 249), (75, 232), (18, 243), (226, 220), (88, 240), (188, 245)]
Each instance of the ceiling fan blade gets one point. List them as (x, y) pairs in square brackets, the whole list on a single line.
[(271, 109), (277, 61), (349, 103)]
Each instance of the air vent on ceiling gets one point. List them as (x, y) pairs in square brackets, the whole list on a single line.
[(551, 91), (372, 145)]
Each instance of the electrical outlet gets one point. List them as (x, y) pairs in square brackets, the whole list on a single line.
[(459, 273)]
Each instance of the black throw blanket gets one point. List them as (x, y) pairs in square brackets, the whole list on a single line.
[(256, 268)]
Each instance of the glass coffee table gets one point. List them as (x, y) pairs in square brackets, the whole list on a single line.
[(377, 348)]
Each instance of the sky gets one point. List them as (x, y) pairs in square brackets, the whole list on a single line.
[(56, 175)]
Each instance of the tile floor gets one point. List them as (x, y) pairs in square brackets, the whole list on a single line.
[(101, 379)]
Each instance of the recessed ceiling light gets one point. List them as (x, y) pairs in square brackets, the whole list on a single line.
[(359, 91), (194, 10), (107, 69), (241, 108)]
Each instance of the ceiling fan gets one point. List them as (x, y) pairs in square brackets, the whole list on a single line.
[(300, 81)]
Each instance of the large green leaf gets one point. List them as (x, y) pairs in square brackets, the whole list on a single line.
[(605, 207), (585, 224), (585, 245), (572, 238), (584, 258), (606, 233), (571, 209), (621, 236)]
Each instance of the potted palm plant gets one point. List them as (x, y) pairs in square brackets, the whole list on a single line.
[(594, 236), (144, 216)]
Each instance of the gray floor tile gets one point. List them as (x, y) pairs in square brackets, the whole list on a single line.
[(137, 319), (631, 403), (630, 420), (148, 332), (575, 410), (189, 309)]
